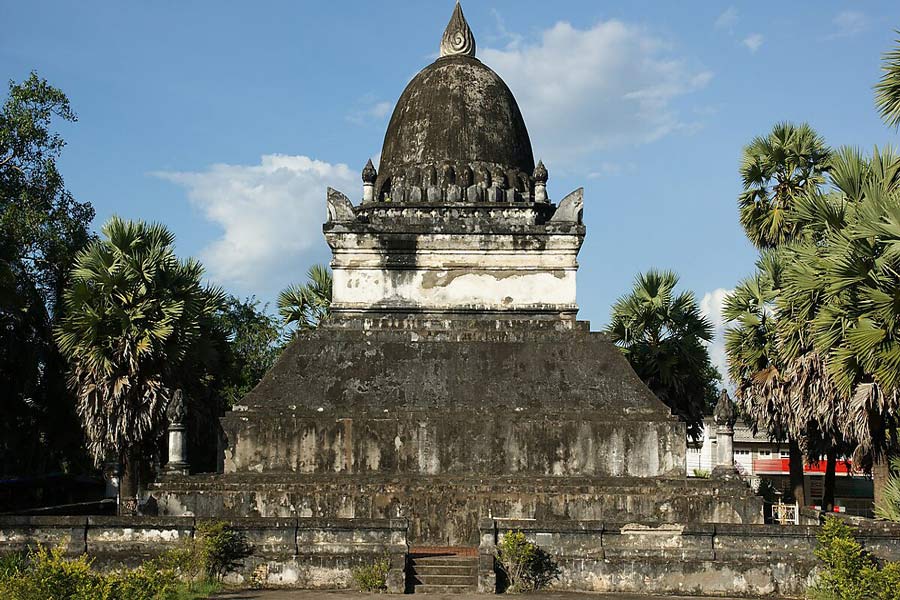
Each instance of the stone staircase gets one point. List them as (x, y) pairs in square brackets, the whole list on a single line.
[(442, 573)]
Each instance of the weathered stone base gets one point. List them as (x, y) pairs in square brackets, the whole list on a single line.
[(446, 510), (477, 400)]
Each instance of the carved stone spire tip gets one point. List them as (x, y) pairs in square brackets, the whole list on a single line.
[(369, 174), (725, 412), (540, 172), (458, 39)]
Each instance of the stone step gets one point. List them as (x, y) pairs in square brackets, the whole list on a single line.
[(426, 569), (447, 561), (445, 589), (450, 572), (469, 580)]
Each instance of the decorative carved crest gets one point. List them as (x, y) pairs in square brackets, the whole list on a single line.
[(725, 412), (571, 208), (458, 39), (340, 209), (177, 411)]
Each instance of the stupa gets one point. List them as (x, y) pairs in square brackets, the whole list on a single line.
[(453, 380)]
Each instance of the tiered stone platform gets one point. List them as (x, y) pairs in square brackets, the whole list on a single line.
[(446, 423)]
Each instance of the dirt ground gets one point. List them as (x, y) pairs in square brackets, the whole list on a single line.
[(313, 595)]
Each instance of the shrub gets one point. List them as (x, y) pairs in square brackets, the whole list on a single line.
[(220, 548), (373, 577), (702, 474), (148, 582), (849, 572), (12, 564), (48, 575), (527, 566)]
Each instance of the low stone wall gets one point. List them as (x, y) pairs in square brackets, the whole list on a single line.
[(594, 556), (305, 553), (446, 511), (705, 559)]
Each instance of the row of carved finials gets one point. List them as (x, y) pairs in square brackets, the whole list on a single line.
[(468, 184)]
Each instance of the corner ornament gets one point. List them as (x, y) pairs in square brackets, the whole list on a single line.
[(571, 208), (458, 39), (340, 209)]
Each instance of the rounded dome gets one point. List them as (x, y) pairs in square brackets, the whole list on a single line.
[(456, 119)]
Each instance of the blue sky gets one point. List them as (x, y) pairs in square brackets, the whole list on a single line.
[(226, 120)]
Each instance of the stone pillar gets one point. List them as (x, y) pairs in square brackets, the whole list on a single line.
[(177, 414), (725, 446), (725, 416), (487, 548), (540, 182), (112, 475), (369, 175)]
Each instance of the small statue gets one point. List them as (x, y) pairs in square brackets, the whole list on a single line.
[(177, 412), (725, 412)]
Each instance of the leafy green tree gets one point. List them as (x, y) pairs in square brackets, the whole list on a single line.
[(664, 337), (254, 343), (887, 90), (42, 227), (777, 169), (305, 307), (133, 316)]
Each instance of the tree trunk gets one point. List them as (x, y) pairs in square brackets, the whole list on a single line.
[(881, 472), (830, 479), (798, 485), (128, 486)]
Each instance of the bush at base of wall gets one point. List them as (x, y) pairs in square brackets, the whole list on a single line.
[(850, 572), (189, 572)]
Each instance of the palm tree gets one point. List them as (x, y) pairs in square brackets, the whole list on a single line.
[(306, 306), (664, 337), (132, 316), (887, 90), (757, 367), (844, 277), (775, 170), (887, 506), (860, 274)]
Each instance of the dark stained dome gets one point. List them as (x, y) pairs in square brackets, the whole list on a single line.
[(457, 122)]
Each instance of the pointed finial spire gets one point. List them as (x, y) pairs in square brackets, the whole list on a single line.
[(458, 39), (725, 412), (369, 174), (540, 173)]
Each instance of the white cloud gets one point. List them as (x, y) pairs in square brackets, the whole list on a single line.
[(753, 41), (849, 23), (583, 90), (370, 111), (611, 169), (271, 217), (514, 40), (728, 19), (711, 307)]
